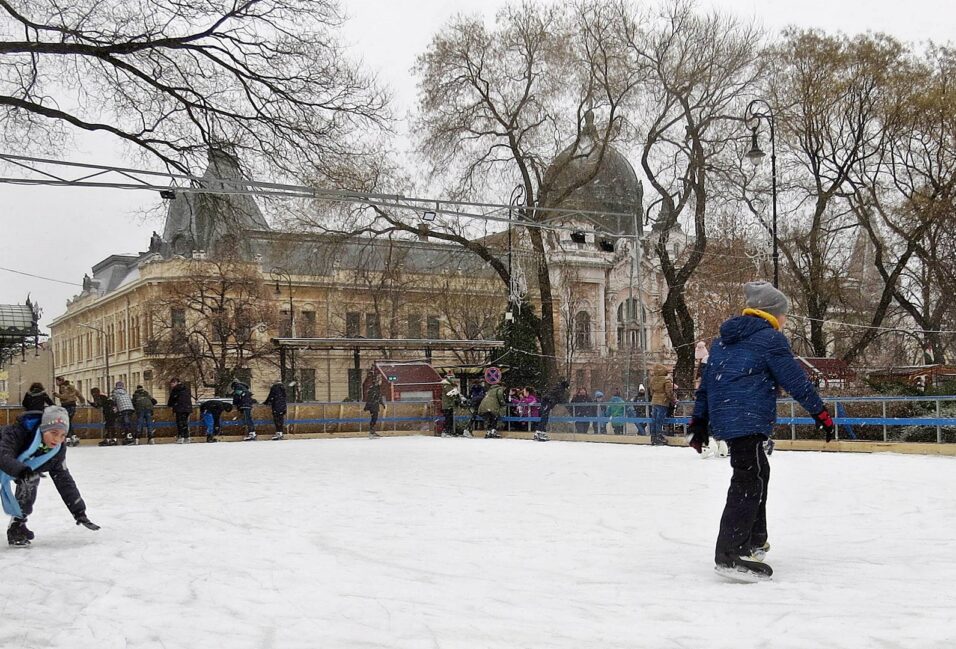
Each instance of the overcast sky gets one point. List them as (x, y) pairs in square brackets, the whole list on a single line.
[(61, 233)]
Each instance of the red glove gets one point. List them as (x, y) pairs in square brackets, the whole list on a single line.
[(825, 423)]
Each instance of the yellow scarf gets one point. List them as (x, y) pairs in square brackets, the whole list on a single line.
[(766, 316)]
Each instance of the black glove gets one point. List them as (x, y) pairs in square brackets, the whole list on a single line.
[(825, 423), (81, 519), (27, 475), (697, 435)]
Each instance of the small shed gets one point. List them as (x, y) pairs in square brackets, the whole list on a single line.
[(827, 372), (406, 381)]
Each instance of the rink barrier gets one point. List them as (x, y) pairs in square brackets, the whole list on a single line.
[(416, 417)]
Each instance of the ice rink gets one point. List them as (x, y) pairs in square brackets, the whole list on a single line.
[(455, 543)]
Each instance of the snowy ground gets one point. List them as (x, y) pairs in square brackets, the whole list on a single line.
[(454, 543)]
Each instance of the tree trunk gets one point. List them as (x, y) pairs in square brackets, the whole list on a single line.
[(546, 337)]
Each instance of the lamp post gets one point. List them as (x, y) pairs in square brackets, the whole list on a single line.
[(280, 274), (106, 350), (758, 111), (517, 198)]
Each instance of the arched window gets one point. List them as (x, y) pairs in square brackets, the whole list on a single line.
[(582, 330), (630, 334)]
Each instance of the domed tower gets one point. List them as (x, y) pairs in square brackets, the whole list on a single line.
[(606, 186)]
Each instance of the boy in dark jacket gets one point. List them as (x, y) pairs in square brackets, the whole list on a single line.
[(105, 405), (242, 399), (143, 403), (210, 411), (737, 399), (374, 401), (558, 394), (35, 444), (181, 401), (277, 399)]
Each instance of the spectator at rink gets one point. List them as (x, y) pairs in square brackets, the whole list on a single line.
[(279, 402), (583, 411), (143, 403)]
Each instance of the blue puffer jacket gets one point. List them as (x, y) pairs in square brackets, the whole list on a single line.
[(738, 391)]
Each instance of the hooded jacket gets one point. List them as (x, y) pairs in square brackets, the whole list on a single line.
[(68, 395), (662, 388), (179, 399), (494, 401), (16, 438), (37, 400), (241, 396), (143, 401), (277, 398), (738, 390)]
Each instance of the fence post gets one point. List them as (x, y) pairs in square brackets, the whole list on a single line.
[(939, 430), (793, 427), (836, 426), (884, 421)]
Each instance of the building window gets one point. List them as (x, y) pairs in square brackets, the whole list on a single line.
[(630, 334), (306, 384), (177, 319), (372, 327), (433, 326), (285, 324), (414, 325), (308, 324), (353, 324), (582, 330)]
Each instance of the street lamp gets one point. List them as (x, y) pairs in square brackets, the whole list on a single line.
[(106, 349), (280, 274), (758, 111), (517, 198)]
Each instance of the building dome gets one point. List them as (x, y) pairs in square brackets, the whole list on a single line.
[(614, 189)]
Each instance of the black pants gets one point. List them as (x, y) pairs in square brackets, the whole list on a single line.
[(182, 425), (373, 420), (70, 414), (544, 415), (743, 524), (449, 426), (278, 418), (26, 494)]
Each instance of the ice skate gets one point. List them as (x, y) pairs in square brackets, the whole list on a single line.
[(186, 440), (466, 433), (210, 439), (541, 436), (492, 434), (759, 553), (722, 450), (373, 435), (250, 437), (444, 434), (128, 440), (277, 437), (180, 440), (105, 442), (743, 570), (151, 441), (72, 440), (18, 535)]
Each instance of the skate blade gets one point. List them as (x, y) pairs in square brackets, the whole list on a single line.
[(743, 576)]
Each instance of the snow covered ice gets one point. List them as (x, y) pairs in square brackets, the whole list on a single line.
[(427, 542)]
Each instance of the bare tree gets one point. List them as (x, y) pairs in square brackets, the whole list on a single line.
[(208, 323), (697, 70), (172, 78)]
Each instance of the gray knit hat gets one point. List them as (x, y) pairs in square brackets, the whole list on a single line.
[(54, 417), (763, 296)]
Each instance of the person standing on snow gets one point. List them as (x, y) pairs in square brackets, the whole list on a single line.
[(737, 402), (68, 397), (182, 404), (374, 401), (556, 395), (662, 396), (277, 399), (143, 403), (125, 409), (34, 445), (242, 399), (103, 403)]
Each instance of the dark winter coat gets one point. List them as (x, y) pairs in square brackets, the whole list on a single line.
[(143, 401), (179, 399), (582, 411), (373, 398), (104, 404), (36, 400), (738, 390), (277, 398), (557, 394), (16, 438), (241, 396)]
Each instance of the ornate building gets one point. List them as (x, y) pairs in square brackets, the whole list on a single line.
[(321, 286)]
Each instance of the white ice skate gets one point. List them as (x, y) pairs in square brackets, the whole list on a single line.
[(466, 433), (277, 436), (722, 448), (250, 437), (541, 436)]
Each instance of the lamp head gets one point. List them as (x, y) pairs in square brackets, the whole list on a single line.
[(756, 154)]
